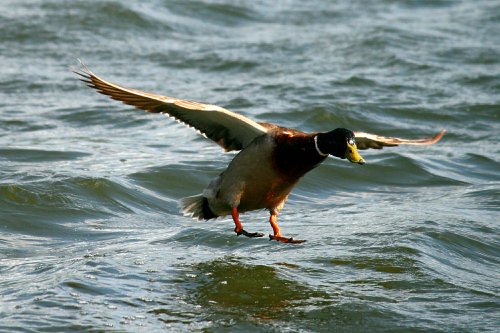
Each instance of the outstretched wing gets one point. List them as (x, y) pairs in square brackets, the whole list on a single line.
[(229, 130), (366, 140)]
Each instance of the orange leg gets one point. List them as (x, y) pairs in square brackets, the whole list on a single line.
[(239, 228), (236, 219), (273, 219)]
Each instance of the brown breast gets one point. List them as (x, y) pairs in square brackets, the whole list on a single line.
[(294, 154)]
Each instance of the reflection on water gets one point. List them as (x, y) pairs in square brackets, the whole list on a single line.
[(232, 287)]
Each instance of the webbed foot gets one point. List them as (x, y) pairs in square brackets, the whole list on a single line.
[(239, 228), (285, 239), (248, 234)]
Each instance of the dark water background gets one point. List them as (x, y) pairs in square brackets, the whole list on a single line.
[(90, 234)]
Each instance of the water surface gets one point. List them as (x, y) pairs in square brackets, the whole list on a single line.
[(90, 234)]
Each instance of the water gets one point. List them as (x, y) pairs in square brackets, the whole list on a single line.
[(90, 234)]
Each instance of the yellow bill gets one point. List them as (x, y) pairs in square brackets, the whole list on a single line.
[(352, 154)]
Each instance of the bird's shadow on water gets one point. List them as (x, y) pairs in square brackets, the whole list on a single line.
[(235, 293)]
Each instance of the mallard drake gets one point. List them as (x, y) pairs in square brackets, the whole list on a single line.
[(271, 158)]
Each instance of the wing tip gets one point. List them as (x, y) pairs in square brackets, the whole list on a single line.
[(438, 136), (82, 70)]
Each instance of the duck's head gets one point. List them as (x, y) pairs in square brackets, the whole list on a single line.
[(340, 143)]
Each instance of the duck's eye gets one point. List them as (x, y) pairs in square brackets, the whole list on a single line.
[(351, 142)]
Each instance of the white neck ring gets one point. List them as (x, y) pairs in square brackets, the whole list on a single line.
[(317, 148)]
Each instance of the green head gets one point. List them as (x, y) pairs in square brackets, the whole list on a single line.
[(340, 143)]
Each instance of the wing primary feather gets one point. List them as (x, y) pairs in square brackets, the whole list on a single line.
[(230, 130), (367, 140)]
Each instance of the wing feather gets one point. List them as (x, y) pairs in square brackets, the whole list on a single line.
[(230, 130), (366, 140)]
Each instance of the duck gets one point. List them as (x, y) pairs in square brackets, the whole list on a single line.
[(271, 159)]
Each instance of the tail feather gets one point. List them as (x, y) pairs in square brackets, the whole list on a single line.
[(197, 207)]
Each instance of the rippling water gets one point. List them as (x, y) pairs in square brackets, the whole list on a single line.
[(90, 234)]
